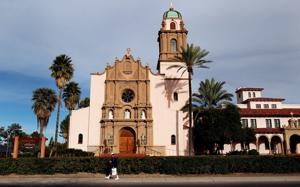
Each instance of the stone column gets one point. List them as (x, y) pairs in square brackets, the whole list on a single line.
[(16, 147), (43, 147)]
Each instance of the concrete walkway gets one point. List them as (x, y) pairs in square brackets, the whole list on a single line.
[(88, 178)]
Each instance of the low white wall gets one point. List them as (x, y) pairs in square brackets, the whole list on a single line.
[(79, 125)]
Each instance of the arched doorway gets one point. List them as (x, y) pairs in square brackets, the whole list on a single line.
[(127, 140), (276, 145), (295, 144)]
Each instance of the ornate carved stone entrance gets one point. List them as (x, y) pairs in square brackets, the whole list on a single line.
[(126, 112), (127, 140)]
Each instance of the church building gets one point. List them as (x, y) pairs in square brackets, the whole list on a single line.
[(134, 110)]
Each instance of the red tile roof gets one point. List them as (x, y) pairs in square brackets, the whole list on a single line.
[(286, 112), (269, 130), (264, 99), (248, 89)]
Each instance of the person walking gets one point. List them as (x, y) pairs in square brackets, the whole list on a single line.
[(114, 163), (108, 169)]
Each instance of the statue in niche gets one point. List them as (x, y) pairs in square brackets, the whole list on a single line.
[(143, 114), (110, 114), (127, 114)]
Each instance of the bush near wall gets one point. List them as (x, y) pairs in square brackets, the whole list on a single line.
[(163, 165)]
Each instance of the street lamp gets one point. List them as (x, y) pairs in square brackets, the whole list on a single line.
[(8, 137)]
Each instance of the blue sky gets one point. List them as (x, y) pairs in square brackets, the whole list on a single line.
[(252, 43)]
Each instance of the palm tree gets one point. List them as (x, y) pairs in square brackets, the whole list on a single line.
[(62, 71), (44, 101), (190, 57), (84, 103), (71, 96), (64, 128), (211, 94)]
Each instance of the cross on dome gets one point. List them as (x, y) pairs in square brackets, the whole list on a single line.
[(128, 52), (171, 6)]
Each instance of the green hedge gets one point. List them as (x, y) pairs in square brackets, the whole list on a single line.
[(164, 165)]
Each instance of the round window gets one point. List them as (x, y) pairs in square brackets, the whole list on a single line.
[(127, 95)]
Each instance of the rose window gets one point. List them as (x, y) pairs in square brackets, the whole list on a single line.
[(127, 95)]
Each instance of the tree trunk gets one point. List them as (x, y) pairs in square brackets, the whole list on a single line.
[(57, 122), (190, 113), (41, 131)]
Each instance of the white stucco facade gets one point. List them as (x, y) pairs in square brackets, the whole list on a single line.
[(86, 121), (168, 119)]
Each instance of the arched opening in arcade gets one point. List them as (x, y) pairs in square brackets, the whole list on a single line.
[(127, 141), (276, 145), (295, 144), (263, 145)]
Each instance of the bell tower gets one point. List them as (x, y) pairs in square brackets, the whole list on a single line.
[(171, 37)]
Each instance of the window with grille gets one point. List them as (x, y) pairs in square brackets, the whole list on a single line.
[(268, 123), (253, 123), (173, 45), (244, 123), (277, 123)]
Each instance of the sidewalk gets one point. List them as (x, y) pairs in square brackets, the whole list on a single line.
[(88, 178)]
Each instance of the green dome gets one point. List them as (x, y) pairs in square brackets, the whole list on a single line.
[(171, 13)]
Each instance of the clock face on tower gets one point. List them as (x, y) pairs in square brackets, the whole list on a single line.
[(127, 95)]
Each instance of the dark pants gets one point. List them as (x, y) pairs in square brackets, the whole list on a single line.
[(107, 171)]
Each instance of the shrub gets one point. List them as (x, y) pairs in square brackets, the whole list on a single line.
[(74, 153), (163, 165), (253, 152)]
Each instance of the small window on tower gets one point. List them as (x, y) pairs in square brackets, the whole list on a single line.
[(80, 139), (173, 139), (172, 25), (173, 45), (175, 96)]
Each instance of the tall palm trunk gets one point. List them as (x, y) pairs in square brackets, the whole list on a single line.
[(57, 121), (190, 113), (41, 131)]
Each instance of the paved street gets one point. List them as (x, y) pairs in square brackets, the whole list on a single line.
[(85, 179)]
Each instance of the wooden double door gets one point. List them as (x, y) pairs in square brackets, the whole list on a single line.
[(127, 141)]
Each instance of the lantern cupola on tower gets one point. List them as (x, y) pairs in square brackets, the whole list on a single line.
[(171, 37)]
